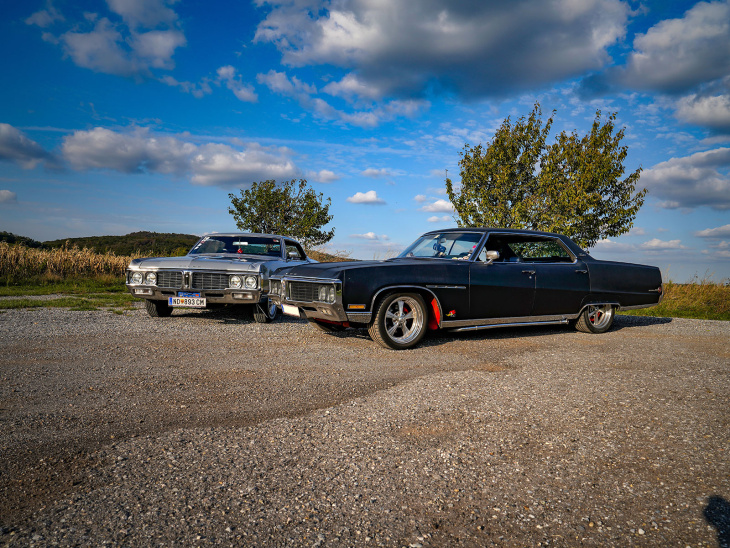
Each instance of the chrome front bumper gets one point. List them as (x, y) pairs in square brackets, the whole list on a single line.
[(289, 292)]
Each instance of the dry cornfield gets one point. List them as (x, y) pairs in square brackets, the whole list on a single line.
[(18, 263)]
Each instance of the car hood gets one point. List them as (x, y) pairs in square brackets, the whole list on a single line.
[(329, 270), (206, 262)]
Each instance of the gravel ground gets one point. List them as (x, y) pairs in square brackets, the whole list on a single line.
[(206, 429)]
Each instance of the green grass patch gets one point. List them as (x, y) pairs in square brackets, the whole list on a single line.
[(703, 300), (101, 293)]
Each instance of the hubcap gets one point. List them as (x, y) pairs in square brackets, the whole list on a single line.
[(403, 320), (600, 316)]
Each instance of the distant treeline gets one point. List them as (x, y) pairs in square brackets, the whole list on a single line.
[(136, 243)]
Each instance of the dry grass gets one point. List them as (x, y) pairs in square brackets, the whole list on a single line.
[(702, 299), (20, 264)]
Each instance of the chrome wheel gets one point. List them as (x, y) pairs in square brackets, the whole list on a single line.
[(264, 312), (595, 318), (400, 321)]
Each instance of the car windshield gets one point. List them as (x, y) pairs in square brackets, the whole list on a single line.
[(446, 245), (240, 245)]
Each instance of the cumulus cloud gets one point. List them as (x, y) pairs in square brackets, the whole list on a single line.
[(404, 48), (712, 111), (375, 173), (243, 92), (145, 38), (7, 197), (141, 151), (676, 56), (656, 244), (280, 83), (366, 236), (437, 219), (46, 17), (323, 176), (718, 232), (439, 206), (369, 197), (16, 147), (692, 181), (420, 198)]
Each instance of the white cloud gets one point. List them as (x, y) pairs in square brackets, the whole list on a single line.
[(7, 197), (637, 231), (707, 111), (369, 197), (17, 148), (146, 37), (198, 90), (144, 13), (678, 54), (280, 83), (718, 232), (420, 198), (141, 151), (351, 88), (692, 181), (402, 48), (375, 173), (45, 18), (366, 236), (243, 92), (611, 246), (437, 219), (323, 176), (439, 206), (656, 244)]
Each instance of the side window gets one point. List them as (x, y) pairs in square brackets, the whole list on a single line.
[(540, 251), (293, 247)]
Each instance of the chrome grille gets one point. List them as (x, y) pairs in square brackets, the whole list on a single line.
[(169, 279), (209, 280), (302, 291)]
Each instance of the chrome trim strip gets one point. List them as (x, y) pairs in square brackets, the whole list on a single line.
[(517, 324), (484, 323), (637, 306), (446, 286)]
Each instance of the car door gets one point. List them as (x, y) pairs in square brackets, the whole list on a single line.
[(504, 288)]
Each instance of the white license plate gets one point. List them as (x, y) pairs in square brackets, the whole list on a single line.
[(187, 302), (290, 310)]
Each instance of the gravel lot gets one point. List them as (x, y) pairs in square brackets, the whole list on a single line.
[(206, 429)]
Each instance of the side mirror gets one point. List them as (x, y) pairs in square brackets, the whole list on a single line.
[(293, 255), (492, 256)]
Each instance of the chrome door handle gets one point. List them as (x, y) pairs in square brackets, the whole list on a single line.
[(530, 272), (581, 272)]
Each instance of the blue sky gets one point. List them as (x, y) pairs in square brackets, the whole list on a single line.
[(126, 115)]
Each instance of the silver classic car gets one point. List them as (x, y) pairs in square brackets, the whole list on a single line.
[(231, 269)]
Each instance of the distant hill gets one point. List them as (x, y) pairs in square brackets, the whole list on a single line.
[(15, 239), (147, 243)]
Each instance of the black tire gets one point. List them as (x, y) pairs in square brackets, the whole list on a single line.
[(264, 312), (400, 322), (158, 309), (595, 319), (326, 327)]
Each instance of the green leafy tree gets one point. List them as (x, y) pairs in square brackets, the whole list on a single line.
[(291, 208), (573, 186)]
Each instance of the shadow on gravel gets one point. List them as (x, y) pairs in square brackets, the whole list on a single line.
[(621, 322), (717, 514)]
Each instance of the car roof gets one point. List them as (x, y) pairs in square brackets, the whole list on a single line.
[(238, 234), (493, 229)]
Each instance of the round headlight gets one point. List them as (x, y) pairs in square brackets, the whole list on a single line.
[(251, 282), (235, 282), (151, 278), (136, 277)]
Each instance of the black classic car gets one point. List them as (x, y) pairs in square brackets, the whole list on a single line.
[(466, 279), (220, 269)]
